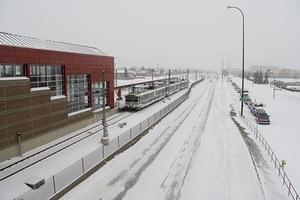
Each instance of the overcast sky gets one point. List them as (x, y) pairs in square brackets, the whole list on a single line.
[(168, 33)]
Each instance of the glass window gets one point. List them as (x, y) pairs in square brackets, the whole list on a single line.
[(97, 94), (1, 70), (78, 92), (11, 70), (47, 76), (18, 70)]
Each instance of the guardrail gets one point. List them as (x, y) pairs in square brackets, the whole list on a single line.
[(58, 182), (286, 181)]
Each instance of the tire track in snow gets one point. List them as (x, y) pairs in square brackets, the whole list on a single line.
[(255, 154), (127, 177), (182, 164)]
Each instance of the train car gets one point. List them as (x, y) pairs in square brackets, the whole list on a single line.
[(137, 101), (184, 84)]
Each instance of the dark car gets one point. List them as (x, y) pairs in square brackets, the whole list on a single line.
[(258, 111), (262, 118)]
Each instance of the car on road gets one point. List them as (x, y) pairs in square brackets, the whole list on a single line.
[(262, 118)]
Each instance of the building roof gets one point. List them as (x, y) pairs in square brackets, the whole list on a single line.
[(9, 39)]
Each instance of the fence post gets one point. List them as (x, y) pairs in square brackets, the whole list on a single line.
[(279, 170), (19, 144), (118, 141), (130, 133), (54, 186), (103, 152), (272, 156), (82, 165)]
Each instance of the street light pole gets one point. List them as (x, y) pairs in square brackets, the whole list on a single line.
[(243, 57), (105, 137)]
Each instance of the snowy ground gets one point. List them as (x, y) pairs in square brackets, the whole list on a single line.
[(283, 132), (197, 152)]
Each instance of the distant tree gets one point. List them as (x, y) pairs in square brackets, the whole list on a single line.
[(255, 77), (126, 73), (260, 77), (266, 80)]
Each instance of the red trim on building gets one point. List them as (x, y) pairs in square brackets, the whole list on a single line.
[(73, 64)]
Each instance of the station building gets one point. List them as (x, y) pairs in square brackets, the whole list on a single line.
[(47, 84)]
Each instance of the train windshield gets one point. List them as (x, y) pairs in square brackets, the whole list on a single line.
[(131, 98)]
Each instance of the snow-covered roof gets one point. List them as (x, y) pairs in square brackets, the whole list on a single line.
[(9, 39)]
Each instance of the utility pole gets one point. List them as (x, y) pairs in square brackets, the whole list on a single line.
[(152, 78), (187, 74), (105, 137), (169, 83)]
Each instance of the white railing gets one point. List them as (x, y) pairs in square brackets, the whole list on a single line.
[(286, 181)]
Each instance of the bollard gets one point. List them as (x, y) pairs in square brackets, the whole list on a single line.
[(19, 143)]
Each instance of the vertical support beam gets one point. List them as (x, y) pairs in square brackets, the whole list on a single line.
[(152, 70), (64, 79), (54, 184), (169, 80), (19, 144), (90, 90), (105, 137), (26, 70), (116, 72)]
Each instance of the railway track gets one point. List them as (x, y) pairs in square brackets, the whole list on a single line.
[(28, 161)]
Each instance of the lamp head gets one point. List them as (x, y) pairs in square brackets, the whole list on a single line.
[(229, 7)]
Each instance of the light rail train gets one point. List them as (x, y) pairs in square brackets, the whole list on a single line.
[(137, 101)]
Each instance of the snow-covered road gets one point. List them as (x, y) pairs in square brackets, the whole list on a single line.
[(197, 152)]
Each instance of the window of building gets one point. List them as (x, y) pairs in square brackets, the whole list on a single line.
[(78, 92), (98, 95), (11, 70), (47, 76)]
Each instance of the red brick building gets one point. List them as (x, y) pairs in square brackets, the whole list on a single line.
[(45, 83)]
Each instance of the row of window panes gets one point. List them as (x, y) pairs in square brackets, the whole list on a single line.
[(77, 87), (97, 94), (47, 76), (11, 70), (45, 70)]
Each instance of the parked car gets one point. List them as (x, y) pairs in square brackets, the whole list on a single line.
[(247, 101), (252, 109), (258, 104), (259, 111), (262, 118)]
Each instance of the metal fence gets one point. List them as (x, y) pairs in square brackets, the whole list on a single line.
[(68, 175), (286, 181)]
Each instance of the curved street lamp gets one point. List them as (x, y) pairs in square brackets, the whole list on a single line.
[(105, 136), (243, 58)]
